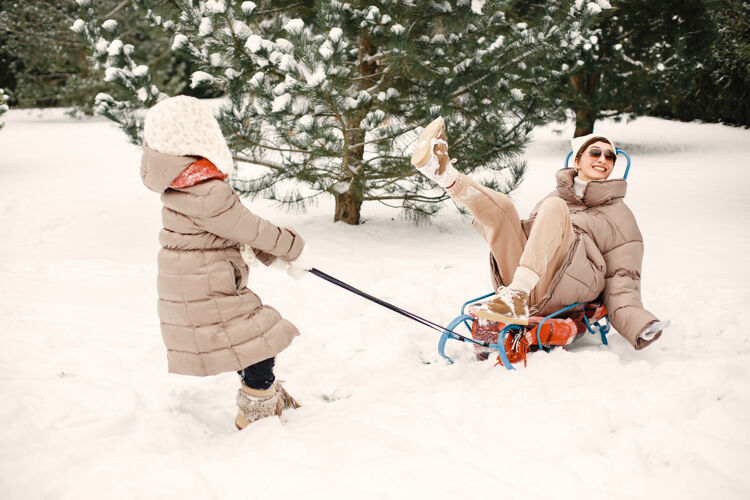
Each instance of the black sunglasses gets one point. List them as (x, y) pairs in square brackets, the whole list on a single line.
[(608, 154)]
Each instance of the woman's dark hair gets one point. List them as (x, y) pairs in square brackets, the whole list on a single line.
[(589, 143)]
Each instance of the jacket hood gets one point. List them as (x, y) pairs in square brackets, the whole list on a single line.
[(596, 192), (158, 170)]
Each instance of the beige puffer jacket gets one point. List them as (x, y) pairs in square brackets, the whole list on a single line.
[(606, 256), (210, 321)]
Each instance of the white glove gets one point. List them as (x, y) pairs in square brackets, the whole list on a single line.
[(280, 264), (299, 267), (246, 251), (654, 328)]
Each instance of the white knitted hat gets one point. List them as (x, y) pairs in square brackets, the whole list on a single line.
[(185, 126), (577, 142)]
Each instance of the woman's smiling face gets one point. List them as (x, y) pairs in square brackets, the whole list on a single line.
[(593, 167)]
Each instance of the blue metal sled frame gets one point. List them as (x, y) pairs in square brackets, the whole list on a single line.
[(449, 333)]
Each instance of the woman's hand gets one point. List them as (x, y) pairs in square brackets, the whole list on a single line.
[(654, 328)]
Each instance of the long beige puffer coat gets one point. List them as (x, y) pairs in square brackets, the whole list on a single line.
[(606, 256), (210, 321)]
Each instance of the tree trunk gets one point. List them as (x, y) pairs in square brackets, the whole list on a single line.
[(348, 207), (586, 111), (584, 123), (83, 57), (349, 203)]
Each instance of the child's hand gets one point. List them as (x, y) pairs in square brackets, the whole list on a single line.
[(299, 267), (291, 268), (296, 269), (296, 272), (248, 255), (280, 264)]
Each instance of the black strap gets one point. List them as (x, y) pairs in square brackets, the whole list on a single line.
[(396, 309)]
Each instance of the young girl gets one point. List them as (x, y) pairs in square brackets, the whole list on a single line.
[(580, 241), (210, 321)]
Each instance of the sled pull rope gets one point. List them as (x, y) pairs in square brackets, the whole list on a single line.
[(396, 309)]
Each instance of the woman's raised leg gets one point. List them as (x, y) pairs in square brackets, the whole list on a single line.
[(496, 219)]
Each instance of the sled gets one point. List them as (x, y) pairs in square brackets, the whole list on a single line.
[(513, 342)]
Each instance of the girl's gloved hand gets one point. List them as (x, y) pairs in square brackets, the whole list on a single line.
[(299, 267), (280, 264)]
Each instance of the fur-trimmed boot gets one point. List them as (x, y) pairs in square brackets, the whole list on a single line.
[(254, 404), (507, 306), (430, 155), (510, 305)]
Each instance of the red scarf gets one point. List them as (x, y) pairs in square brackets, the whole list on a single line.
[(199, 171)]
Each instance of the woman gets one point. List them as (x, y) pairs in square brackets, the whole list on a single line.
[(580, 241)]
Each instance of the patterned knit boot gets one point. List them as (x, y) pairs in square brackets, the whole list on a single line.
[(254, 404)]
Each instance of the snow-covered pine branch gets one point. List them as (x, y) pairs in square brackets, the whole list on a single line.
[(3, 104), (333, 106), (132, 88)]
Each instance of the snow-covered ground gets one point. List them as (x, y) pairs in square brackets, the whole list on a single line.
[(87, 409)]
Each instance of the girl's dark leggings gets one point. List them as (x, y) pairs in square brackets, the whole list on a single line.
[(260, 375)]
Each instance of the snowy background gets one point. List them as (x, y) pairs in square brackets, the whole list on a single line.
[(87, 409)]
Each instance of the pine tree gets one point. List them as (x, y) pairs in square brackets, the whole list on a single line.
[(713, 80), (729, 91), (37, 51), (629, 57), (43, 63), (332, 97)]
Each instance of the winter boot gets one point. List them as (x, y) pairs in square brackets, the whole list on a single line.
[(255, 404), (287, 401), (509, 306), (430, 155)]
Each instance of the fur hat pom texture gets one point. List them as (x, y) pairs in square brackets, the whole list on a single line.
[(185, 126)]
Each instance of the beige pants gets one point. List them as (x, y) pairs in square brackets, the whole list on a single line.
[(545, 249)]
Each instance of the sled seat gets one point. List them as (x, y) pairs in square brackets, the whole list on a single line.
[(541, 333), (513, 342)]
